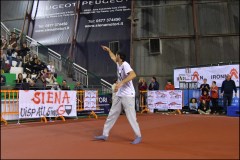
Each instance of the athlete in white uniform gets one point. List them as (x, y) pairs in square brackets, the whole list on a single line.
[(125, 97)]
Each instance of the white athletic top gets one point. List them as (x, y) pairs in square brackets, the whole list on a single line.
[(127, 90)]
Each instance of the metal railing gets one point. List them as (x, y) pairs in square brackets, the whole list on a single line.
[(81, 74), (60, 63), (56, 59), (5, 31), (106, 86)]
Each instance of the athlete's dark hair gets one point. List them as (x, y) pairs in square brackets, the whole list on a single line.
[(122, 56)]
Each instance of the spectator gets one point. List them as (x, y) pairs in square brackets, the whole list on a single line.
[(13, 40), (26, 64), (37, 76), (24, 50), (15, 57), (51, 68), (142, 88), (34, 66), (45, 72), (169, 85), (50, 79), (10, 51), (40, 82), (4, 44), (204, 86), (204, 103), (193, 106), (42, 66), (12, 48), (204, 108), (39, 67), (142, 85), (33, 57), (28, 77), (3, 80), (3, 59), (4, 47), (32, 85), (228, 86), (25, 85), (205, 96), (214, 97), (17, 50), (19, 81), (78, 86), (154, 85), (64, 85)]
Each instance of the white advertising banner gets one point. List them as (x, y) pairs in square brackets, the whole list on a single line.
[(48, 103), (165, 99), (213, 73), (90, 100)]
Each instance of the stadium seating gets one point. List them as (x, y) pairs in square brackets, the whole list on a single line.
[(16, 70)]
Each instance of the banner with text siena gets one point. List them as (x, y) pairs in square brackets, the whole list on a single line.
[(48, 103)]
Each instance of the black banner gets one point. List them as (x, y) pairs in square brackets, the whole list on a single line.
[(54, 21), (100, 22)]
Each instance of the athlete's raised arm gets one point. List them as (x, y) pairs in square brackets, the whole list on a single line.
[(111, 54)]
